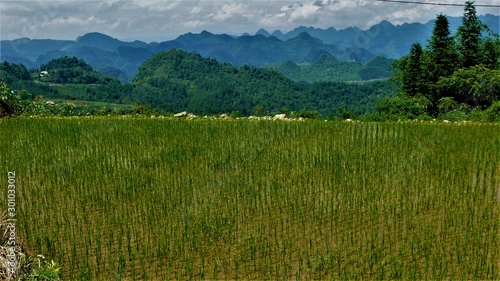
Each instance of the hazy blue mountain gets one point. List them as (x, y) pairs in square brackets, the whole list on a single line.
[(253, 50), (384, 39), (28, 51), (301, 45), (262, 32), (100, 41)]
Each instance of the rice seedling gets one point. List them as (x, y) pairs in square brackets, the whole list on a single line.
[(131, 198)]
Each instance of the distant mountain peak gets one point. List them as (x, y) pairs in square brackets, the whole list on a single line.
[(277, 33), (305, 37), (99, 40), (206, 33), (386, 23), (263, 32), (93, 36)]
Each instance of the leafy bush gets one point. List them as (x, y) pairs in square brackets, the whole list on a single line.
[(492, 114), (477, 86), (402, 108), (50, 271), (10, 102)]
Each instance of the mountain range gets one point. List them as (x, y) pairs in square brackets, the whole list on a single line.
[(385, 39), (301, 45)]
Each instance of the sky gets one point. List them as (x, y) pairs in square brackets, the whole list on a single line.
[(160, 20)]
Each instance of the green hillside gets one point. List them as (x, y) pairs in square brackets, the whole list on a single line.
[(329, 69), (177, 80), (71, 70)]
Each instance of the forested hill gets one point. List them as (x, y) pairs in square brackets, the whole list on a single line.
[(177, 80), (329, 69), (71, 70)]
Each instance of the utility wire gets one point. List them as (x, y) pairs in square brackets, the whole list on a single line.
[(438, 4)]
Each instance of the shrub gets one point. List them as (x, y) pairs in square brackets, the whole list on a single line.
[(492, 114), (402, 107)]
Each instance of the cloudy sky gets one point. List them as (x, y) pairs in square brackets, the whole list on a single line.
[(158, 20)]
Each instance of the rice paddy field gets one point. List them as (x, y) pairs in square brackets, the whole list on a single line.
[(156, 199)]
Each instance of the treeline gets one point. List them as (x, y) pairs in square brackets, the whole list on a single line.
[(329, 69), (454, 77), (176, 80), (71, 70)]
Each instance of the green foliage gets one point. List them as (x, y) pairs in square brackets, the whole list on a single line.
[(345, 114), (476, 86), (492, 114), (235, 114), (453, 89), (377, 68), (442, 53), (11, 103), (469, 36), (329, 69), (491, 52), (10, 72), (18, 77), (401, 107), (64, 63), (447, 104), (49, 271), (412, 67), (357, 98), (178, 81), (72, 70)]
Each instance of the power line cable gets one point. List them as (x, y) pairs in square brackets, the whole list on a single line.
[(438, 4)]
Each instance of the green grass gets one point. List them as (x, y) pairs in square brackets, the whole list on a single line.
[(127, 198)]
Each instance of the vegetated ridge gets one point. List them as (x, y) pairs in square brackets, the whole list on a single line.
[(176, 80), (302, 45), (328, 68), (180, 80)]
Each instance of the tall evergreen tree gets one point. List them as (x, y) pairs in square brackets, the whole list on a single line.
[(442, 52), (469, 35), (413, 72), (491, 53)]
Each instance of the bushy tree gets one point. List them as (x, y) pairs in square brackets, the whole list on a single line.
[(402, 107), (14, 103), (476, 86), (12, 71), (490, 52), (10, 102)]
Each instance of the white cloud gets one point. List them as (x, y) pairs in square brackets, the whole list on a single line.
[(157, 18), (196, 10), (228, 11), (196, 24)]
